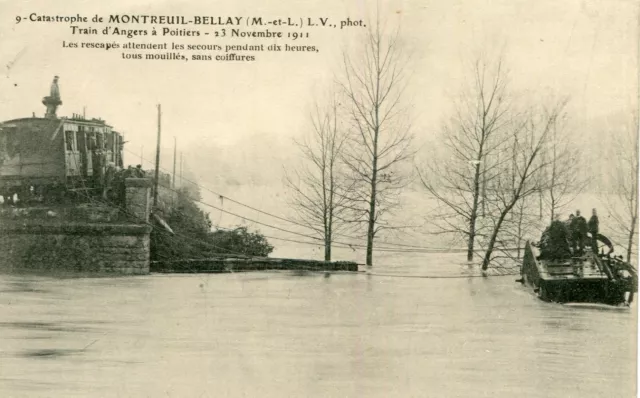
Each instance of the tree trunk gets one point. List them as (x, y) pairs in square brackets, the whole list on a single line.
[(484, 188), (519, 234), (632, 232), (327, 232), (540, 203), (634, 201), (372, 219), (474, 213), (374, 180), (327, 248), (494, 237), (372, 203), (472, 237)]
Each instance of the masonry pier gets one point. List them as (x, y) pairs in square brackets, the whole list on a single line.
[(85, 238)]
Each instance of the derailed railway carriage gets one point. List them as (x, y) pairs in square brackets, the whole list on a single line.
[(49, 157)]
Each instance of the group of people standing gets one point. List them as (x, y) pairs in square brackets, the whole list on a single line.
[(562, 240)]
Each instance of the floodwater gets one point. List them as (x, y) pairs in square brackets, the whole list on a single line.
[(287, 334)]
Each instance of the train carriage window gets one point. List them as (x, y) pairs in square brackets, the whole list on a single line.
[(70, 139), (91, 141), (81, 144), (110, 141), (100, 141)]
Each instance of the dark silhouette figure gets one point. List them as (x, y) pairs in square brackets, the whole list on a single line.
[(139, 173), (594, 226), (578, 228), (567, 225)]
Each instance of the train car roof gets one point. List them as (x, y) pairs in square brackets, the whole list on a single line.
[(89, 122)]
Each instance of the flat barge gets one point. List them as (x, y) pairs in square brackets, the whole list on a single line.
[(590, 278)]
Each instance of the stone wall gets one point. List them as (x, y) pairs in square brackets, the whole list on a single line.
[(138, 203), (86, 248), (84, 238)]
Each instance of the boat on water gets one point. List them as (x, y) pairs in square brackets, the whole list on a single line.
[(596, 278)]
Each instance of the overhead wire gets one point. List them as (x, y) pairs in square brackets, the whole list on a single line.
[(414, 248), (93, 200), (341, 244), (387, 245), (438, 276), (279, 217)]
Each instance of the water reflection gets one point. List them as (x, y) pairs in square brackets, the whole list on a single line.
[(277, 334)]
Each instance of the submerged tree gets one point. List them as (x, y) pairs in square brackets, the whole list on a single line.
[(380, 136), (459, 179), (518, 178), (320, 191), (522, 222), (622, 197), (559, 181), (564, 174)]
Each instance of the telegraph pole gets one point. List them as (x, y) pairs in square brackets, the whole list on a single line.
[(155, 191), (181, 183)]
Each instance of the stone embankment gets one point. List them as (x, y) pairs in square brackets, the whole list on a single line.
[(80, 238)]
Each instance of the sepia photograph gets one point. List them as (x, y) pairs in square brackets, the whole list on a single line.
[(380, 198)]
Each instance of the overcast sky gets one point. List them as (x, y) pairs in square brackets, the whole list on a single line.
[(247, 113)]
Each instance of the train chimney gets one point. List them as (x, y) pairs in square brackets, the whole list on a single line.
[(53, 100)]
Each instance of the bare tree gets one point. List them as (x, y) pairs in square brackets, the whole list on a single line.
[(559, 182), (319, 189), (519, 177), (564, 174), (520, 224), (380, 138), (459, 180), (524, 223), (622, 198)]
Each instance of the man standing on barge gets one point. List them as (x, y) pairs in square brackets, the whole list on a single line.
[(594, 226), (578, 228)]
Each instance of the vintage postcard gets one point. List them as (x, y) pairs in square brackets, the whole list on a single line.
[(378, 198)]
